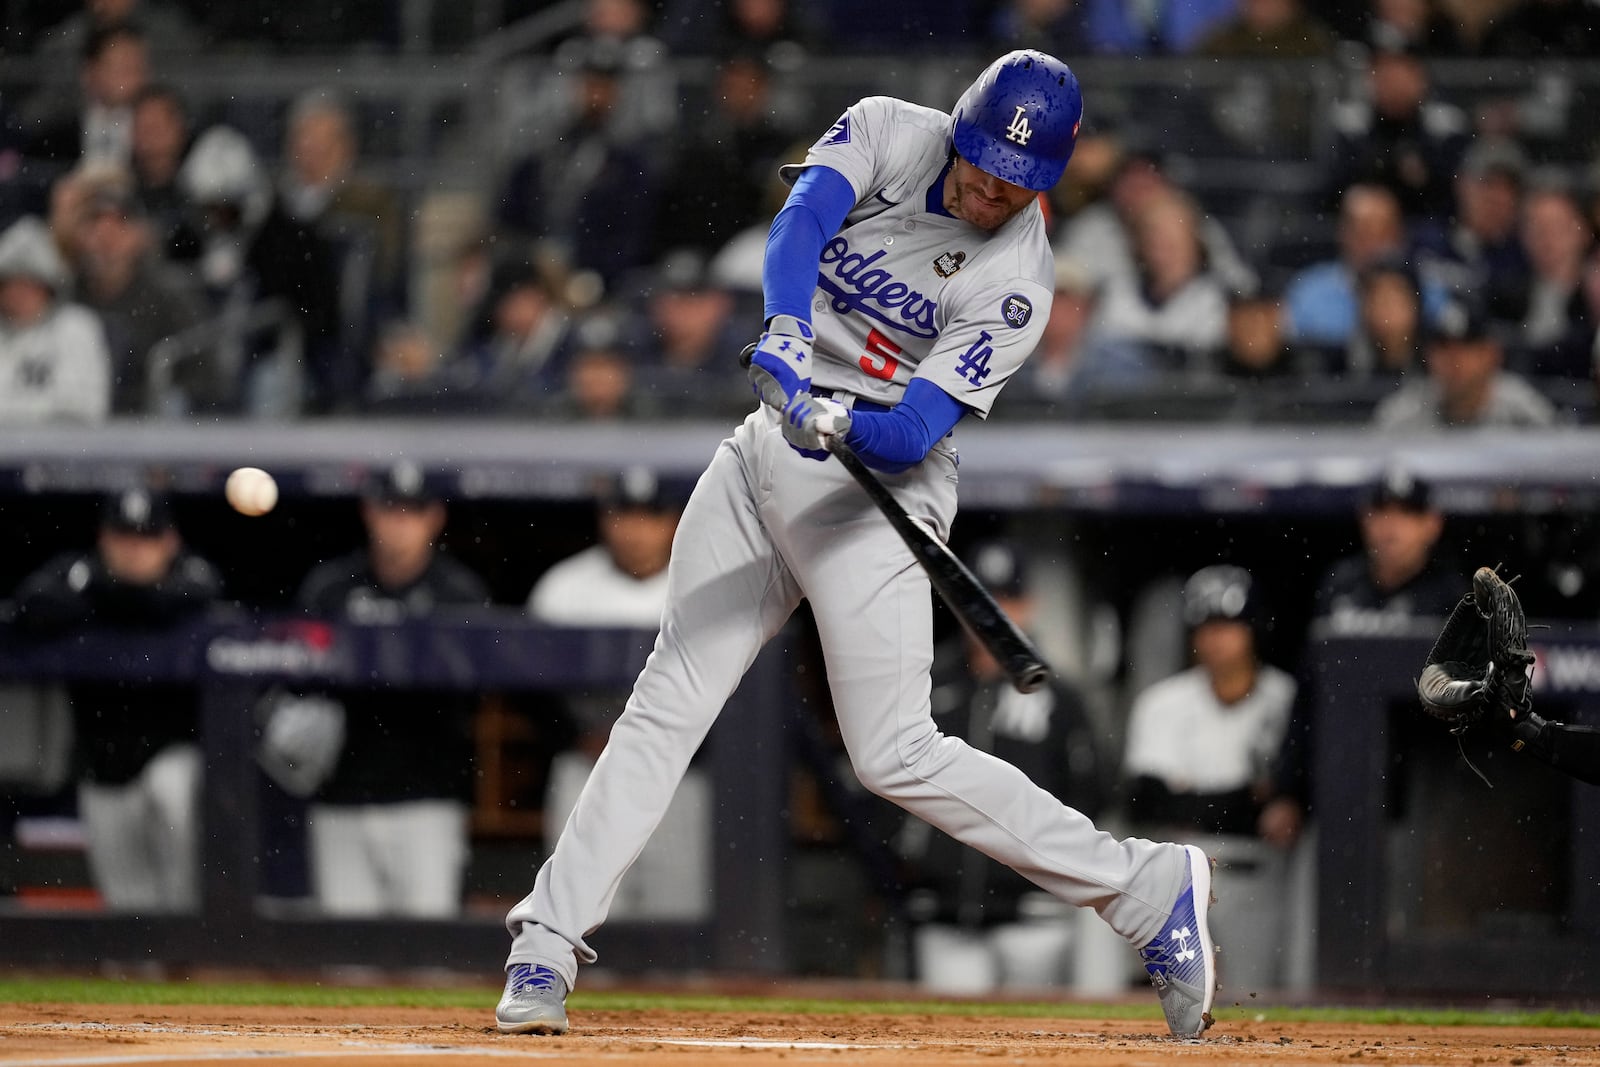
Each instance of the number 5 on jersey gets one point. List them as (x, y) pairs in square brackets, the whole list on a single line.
[(880, 361)]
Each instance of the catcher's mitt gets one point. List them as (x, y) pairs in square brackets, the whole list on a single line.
[(1481, 659)]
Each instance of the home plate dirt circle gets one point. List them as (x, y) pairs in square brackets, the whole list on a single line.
[(44, 1035)]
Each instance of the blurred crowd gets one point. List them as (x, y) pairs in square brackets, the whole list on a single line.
[(1406, 254)]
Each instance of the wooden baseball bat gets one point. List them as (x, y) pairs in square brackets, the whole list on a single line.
[(957, 586)]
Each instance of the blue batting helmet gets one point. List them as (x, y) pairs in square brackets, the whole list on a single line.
[(1019, 120)]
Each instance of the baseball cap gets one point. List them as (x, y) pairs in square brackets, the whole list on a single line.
[(683, 270), (1400, 488), (1001, 566), (399, 484), (1495, 155), (642, 488), (1459, 320), (137, 511)]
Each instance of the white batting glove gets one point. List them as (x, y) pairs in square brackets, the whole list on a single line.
[(780, 367), (810, 421)]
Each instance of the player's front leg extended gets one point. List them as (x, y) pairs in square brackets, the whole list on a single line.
[(727, 594)]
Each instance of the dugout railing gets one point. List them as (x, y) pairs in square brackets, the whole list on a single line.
[(230, 659)]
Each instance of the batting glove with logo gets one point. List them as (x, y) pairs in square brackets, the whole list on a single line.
[(780, 366), (809, 421)]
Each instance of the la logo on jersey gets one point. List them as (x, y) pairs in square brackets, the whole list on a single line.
[(1019, 130), (838, 133)]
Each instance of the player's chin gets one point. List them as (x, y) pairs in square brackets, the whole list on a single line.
[(988, 214)]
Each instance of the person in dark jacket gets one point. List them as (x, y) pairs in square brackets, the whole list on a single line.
[(138, 757), (388, 825), (1398, 576), (981, 925)]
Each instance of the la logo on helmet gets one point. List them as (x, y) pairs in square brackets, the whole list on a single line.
[(1019, 130)]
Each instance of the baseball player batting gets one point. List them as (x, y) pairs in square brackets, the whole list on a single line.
[(905, 279)]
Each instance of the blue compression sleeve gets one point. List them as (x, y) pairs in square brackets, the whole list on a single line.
[(896, 440), (815, 210)]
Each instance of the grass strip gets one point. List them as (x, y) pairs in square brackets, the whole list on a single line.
[(333, 995)]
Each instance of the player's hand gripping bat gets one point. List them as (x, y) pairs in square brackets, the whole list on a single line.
[(957, 586)]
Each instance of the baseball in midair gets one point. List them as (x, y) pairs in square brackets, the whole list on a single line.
[(251, 491)]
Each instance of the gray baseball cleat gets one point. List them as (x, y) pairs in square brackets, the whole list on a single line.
[(1180, 959), (535, 1001)]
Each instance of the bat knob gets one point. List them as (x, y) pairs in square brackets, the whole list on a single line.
[(1031, 679), (747, 355)]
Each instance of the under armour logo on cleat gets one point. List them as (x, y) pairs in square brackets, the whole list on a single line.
[(1184, 954)]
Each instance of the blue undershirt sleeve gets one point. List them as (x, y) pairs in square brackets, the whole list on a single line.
[(898, 439), (816, 208)]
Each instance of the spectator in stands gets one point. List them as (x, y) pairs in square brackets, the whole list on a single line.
[(693, 336), (1071, 362), (1174, 306), (1101, 235), (1544, 29), (523, 359), (979, 925), (69, 203), (780, 30), (139, 298), (1557, 331), (1059, 27), (409, 374), (161, 139), (388, 825), (96, 123), (167, 29), (1400, 137), (1087, 181), (137, 750), (54, 363), (1269, 29), (1387, 342), (600, 387), (321, 188), (1466, 384), (592, 188), (1170, 26), (253, 252), (723, 162), (622, 583), (1481, 251), (1321, 298), (1425, 27), (602, 381), (1256, 347), (1199, 760)]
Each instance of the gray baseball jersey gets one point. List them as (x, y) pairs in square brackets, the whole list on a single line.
[(904, 292)]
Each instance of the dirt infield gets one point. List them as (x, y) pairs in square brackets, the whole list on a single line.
[(113, 1035)]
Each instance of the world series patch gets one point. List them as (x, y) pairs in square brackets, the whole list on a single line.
[(949, 263), (1016, 310), (838, 133)]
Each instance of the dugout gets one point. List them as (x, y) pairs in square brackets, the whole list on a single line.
[(1135, 500)]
